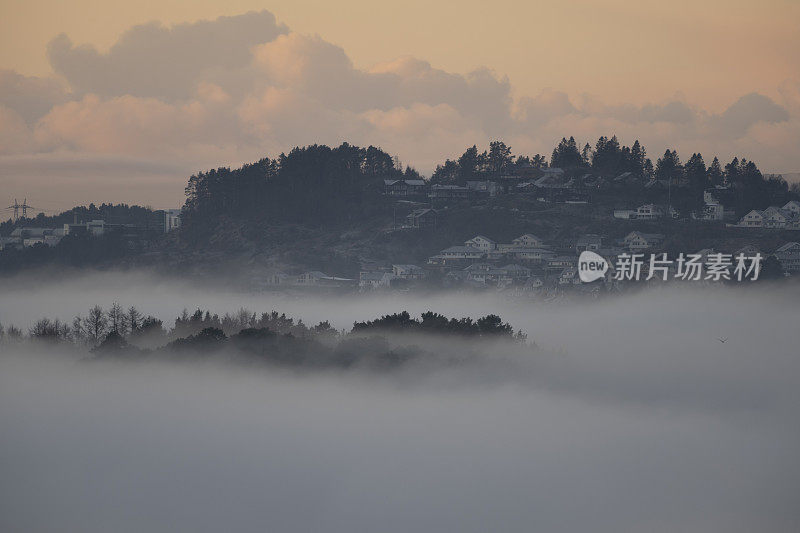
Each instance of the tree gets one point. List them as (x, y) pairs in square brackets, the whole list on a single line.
[(669, 168), (607, 156), (696, 172), (714, 174), (116, 319), (133, 319), (566, 154), (95, 324), (499, 158), (638, 159), (468, 162)]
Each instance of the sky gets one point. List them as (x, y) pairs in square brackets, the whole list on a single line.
[(120, 101)]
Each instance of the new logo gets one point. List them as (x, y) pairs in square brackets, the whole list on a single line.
[(591, 266)]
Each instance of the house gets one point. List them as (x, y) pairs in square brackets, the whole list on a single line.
[(789, 256), (172, 219), (478, 272), (449, 192), (528, 240), (588, 242), (403, 188), (511, 273), (486, 187), (530, 254), (561, 262), (713, 212), (94, 228), (408, 272), (482, 243), (636, 240), (422, 218), (625, 214), (9, 243), (30, 236), (753, 219), (456, 254), (649, 212), (775, 217), (792, 207), (568, 275), (317, 278), (375, 280)]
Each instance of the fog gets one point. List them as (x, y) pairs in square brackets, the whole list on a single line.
[(630, 416)]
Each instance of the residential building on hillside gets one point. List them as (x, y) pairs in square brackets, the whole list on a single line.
[(789, 257)]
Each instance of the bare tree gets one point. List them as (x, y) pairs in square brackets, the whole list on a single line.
[(117, 319), (95, 324), (13, 333), (79, 333)]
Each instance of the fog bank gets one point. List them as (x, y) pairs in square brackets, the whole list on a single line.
[(632, 416)]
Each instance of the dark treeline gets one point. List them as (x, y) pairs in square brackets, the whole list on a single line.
[(314, 185), (110, 213), (318, 185), (269, 337), (430, 322)]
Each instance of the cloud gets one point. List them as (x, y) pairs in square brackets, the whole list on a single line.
[(230, 90), (28, 96), (151, 60)]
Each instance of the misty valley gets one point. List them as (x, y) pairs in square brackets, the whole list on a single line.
[(612, 414)]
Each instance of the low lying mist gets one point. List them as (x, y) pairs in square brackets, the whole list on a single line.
[(620, 414)]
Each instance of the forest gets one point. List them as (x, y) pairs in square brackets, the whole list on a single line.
[(270, 338)]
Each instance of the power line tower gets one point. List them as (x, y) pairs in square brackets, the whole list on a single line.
[(17, 206)]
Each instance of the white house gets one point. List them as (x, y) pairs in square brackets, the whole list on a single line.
[(172, 219), (636, 240), (485, 244), (649, 212), (753, 219), (775, 217), (528, 240)]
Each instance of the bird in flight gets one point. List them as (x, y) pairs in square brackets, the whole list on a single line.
[(722, 339)]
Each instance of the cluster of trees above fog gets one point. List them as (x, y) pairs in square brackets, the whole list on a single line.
[(270, 337), (322, 185), (606, 158)]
